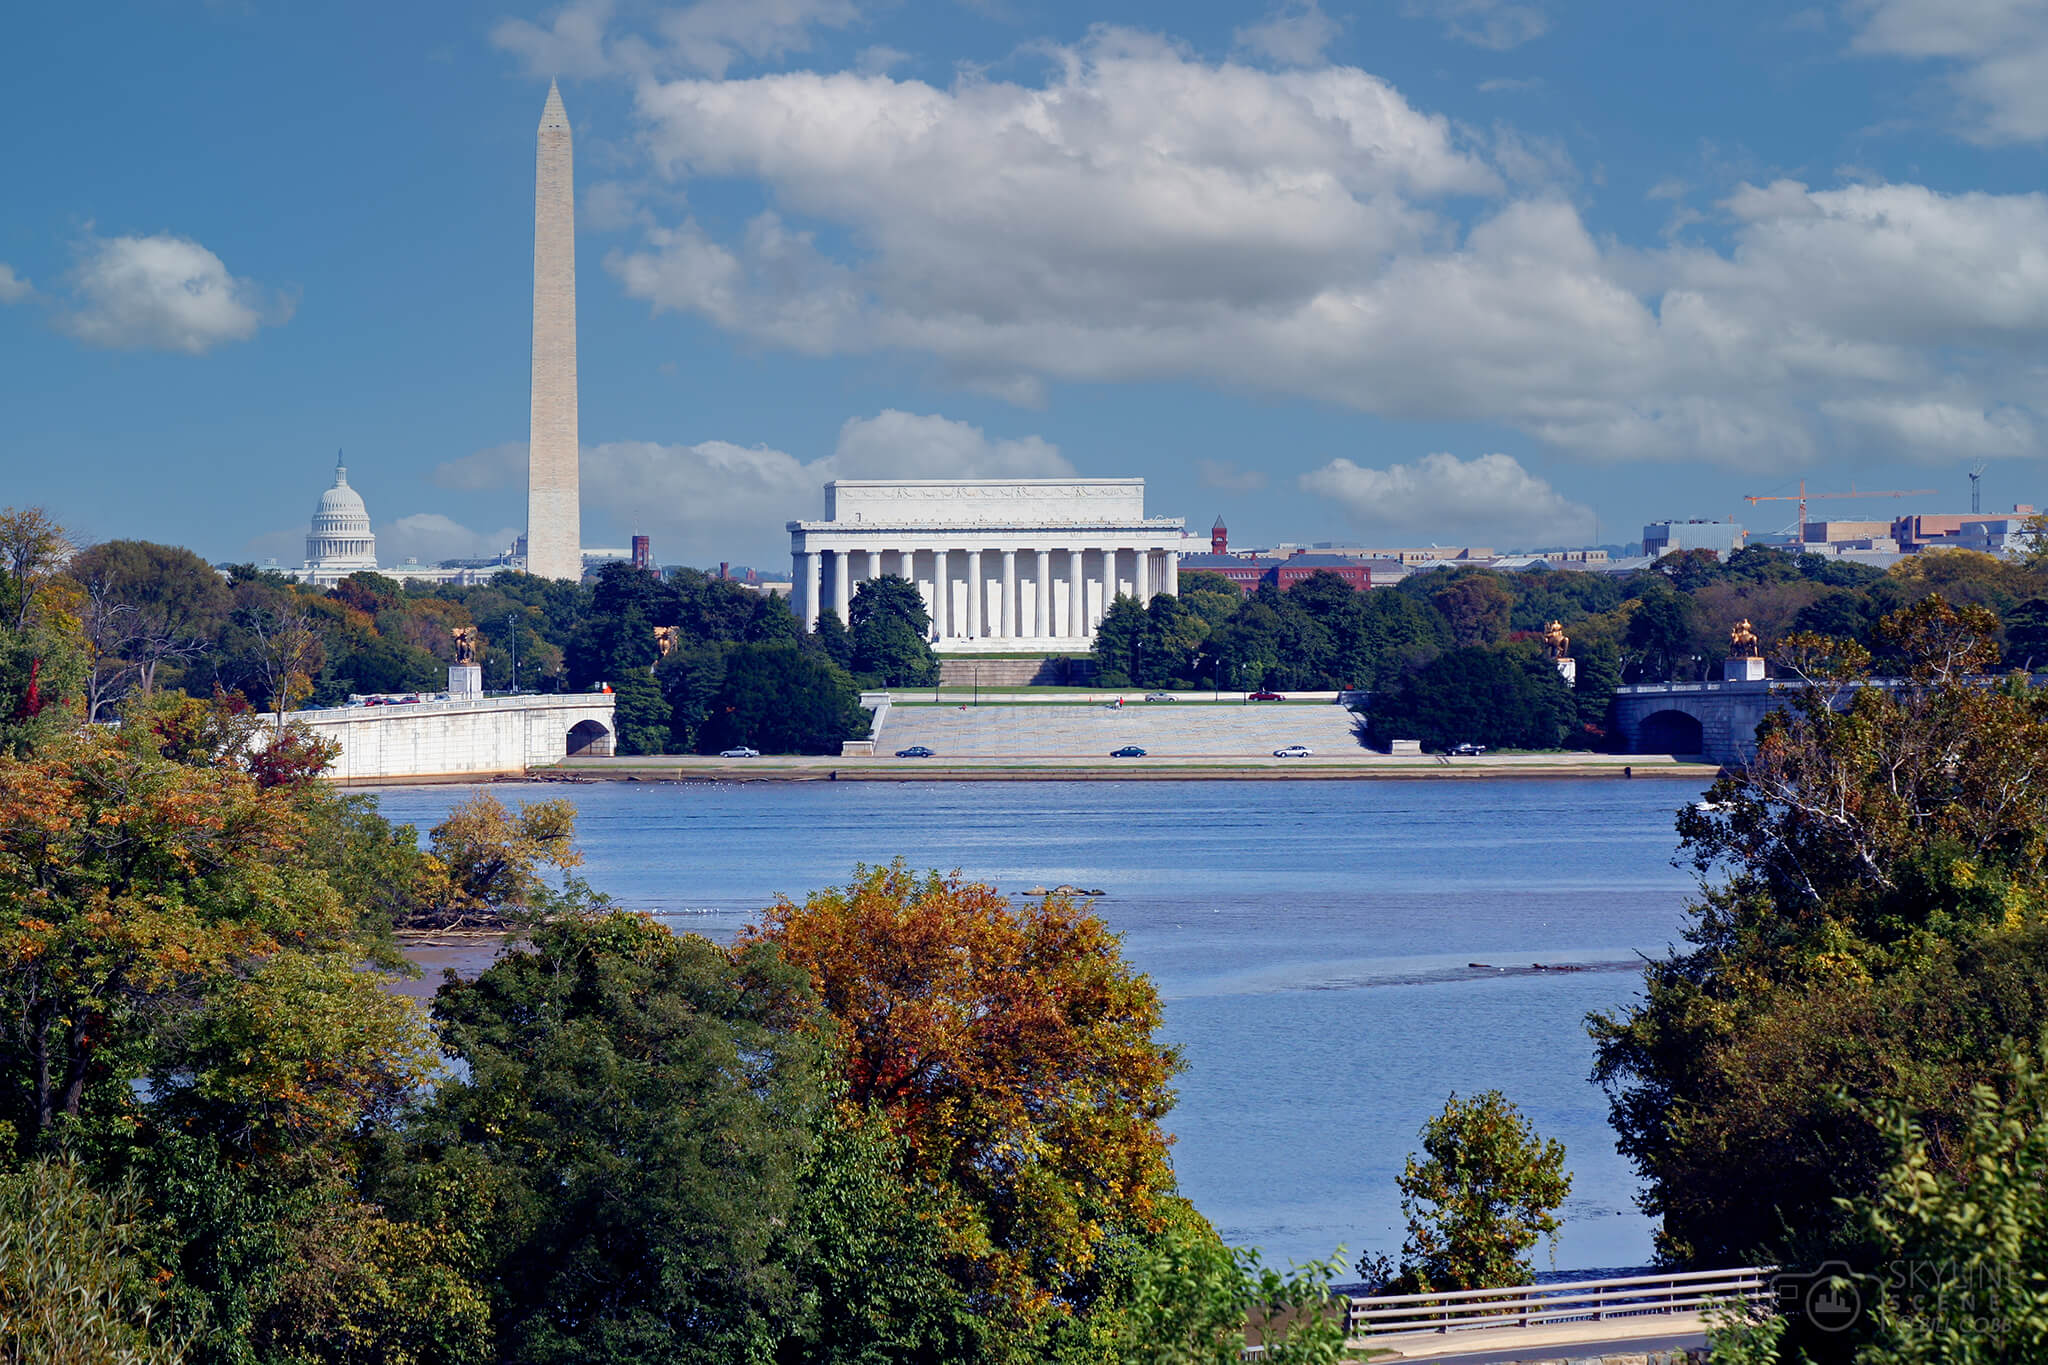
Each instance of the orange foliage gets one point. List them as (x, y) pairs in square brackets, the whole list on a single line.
[(1012, 1049), (129, 881)]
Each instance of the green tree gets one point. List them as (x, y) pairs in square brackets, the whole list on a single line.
[(690, 680), (380, 665), (1663, 636), (832, 638), (635, 1125), (643, 715), (1866, 939), (2026, 634), (1477, 607), (1191, 1299), (1119, 642), (75, 1283), (1174, 633), (871, 1262), (1487, 1191), (1506, 698), (1977, 1215), (782, 699), (889, 628)]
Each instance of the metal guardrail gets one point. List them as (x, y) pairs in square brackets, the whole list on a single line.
[(1531, 1305)]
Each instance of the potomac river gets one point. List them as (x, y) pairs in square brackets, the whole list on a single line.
[(1312, 942)]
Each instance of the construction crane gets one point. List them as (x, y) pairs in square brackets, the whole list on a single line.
[(1802, 496)]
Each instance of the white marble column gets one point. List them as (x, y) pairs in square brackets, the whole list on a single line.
[(977, 596), (1008, 627), (1077, 596), (813, 567), (1041, 605), (1141, 576), (940, 593), (842, 583), (875, 564), (1173, 573)]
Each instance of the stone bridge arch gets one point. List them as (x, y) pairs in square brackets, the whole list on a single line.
[(1718, 719), (1674, 730), (589, 738)]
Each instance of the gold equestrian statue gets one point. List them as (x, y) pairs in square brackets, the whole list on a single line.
[(1742, 640), (665, 640), (1560, 643), (465, 644)]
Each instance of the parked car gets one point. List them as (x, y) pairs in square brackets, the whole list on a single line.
[(1263, 695), (1468, 750), (914, 751), (742, 752), (1160, 696), (1294, 751), (1128, 751)]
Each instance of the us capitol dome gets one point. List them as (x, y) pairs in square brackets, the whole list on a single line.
[(340, 541)]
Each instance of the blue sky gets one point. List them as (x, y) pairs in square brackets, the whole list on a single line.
[(1504, 271)]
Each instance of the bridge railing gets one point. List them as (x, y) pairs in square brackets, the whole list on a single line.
[(1533, 1305)]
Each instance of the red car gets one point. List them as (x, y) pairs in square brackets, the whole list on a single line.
[(1263, 695)]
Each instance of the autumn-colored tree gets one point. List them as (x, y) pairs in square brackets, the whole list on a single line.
[(128, 883), (487, 861), (1013, 1050), (33, 550)]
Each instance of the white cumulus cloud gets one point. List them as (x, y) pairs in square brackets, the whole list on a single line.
[(1489, 497), (1995, 53), (1293, 34), (431, 537), (13, 288), (1228, 477), (1137, 213), (708, 36), (719, 500), (1493, 24), (162, 293)]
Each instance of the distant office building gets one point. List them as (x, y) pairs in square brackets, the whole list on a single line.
[(1669, 537), (1247, 572), (1413, 556), (1995, 533), (1844, 532)]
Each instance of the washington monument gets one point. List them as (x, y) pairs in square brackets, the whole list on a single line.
[(554, 531)]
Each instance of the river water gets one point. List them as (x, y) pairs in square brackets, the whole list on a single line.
[(1312, 941)]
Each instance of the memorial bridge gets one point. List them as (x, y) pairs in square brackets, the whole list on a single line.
[(465, 738), (1715, 720)]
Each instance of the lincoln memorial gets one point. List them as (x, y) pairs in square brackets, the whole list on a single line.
[(1002, 564)]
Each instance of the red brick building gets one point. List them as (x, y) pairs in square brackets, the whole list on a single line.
[(1249, 571)]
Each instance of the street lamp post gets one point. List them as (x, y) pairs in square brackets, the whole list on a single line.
[(512, 640)]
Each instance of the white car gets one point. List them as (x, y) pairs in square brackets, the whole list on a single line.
[(1294, 751), (741, 752)]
